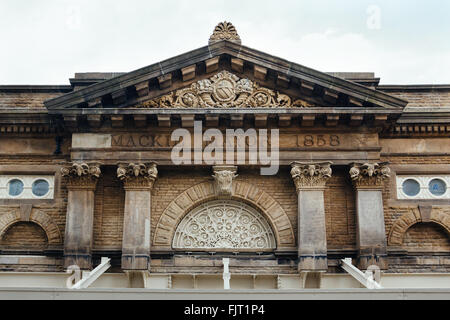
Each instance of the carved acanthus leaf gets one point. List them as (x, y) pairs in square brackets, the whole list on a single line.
[(137, 175), (81, 174), (224, 90), (369, 174), (310, 175)]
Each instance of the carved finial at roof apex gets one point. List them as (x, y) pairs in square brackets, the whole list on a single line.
[(225, 31)]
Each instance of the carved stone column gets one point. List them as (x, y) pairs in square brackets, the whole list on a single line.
[(82, 180), (138, 179), (310, 179), (223, 177), (370, 234)]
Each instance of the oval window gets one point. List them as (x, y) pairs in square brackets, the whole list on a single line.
[(15, 187), (437, 187), (411, 187), (40, 187)]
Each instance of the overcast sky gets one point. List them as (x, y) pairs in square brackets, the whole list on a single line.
[(47, 41)]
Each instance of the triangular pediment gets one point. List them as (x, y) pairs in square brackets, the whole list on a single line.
[(281, 78)]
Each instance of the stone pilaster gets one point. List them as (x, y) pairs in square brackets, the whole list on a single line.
[(368, 181), (82, 180), (138, 179), (223, 177), (310, 179)]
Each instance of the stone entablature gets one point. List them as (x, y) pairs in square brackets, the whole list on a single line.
[(137, 175), (369, 175), (82, 175), (310, 175)]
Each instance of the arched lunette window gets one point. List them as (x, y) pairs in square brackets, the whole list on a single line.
[(224, 225)]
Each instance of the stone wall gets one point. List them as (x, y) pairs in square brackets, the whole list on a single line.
[(24, 236)]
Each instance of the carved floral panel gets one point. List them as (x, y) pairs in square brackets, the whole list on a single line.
[(224, 90), (224, 225)]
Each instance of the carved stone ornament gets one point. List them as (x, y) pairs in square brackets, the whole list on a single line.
[(225, 31), (137, 175), (310, 175), (223, 176), (369, 174), (224, 90), (81, 175), (224, 224)]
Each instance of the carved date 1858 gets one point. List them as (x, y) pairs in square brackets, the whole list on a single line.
[(318, 140)]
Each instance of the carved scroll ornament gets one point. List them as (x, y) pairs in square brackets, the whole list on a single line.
[(224, 90)]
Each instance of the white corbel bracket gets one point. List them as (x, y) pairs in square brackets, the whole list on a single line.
[(366, 279), (226, 273), (93, 275)]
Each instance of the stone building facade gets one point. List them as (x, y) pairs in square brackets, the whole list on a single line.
[(86, 171)]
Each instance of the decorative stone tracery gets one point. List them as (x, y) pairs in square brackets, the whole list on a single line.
[(224, 225), (242, 191), (224, 90)]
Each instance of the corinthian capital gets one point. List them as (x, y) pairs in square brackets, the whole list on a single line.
[(310, 175), (369, 174), (223, 176), (137, 175), (82, 175)]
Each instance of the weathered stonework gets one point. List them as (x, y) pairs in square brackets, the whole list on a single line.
[(368, 179), (225, 31), (224, 225), (223, 178), (138, 179), (224, 90), (127, 208), (413, 216), (81, 175), (310, 175), (369, 175), (310, 179), (137, 175), (78, 240), (242, 191)]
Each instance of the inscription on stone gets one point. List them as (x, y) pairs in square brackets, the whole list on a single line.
[(286, 141), (163, 140)]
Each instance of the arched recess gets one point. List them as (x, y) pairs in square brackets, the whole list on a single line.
[(40, 218), (24, 236), (413, 216), (242, 191)]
